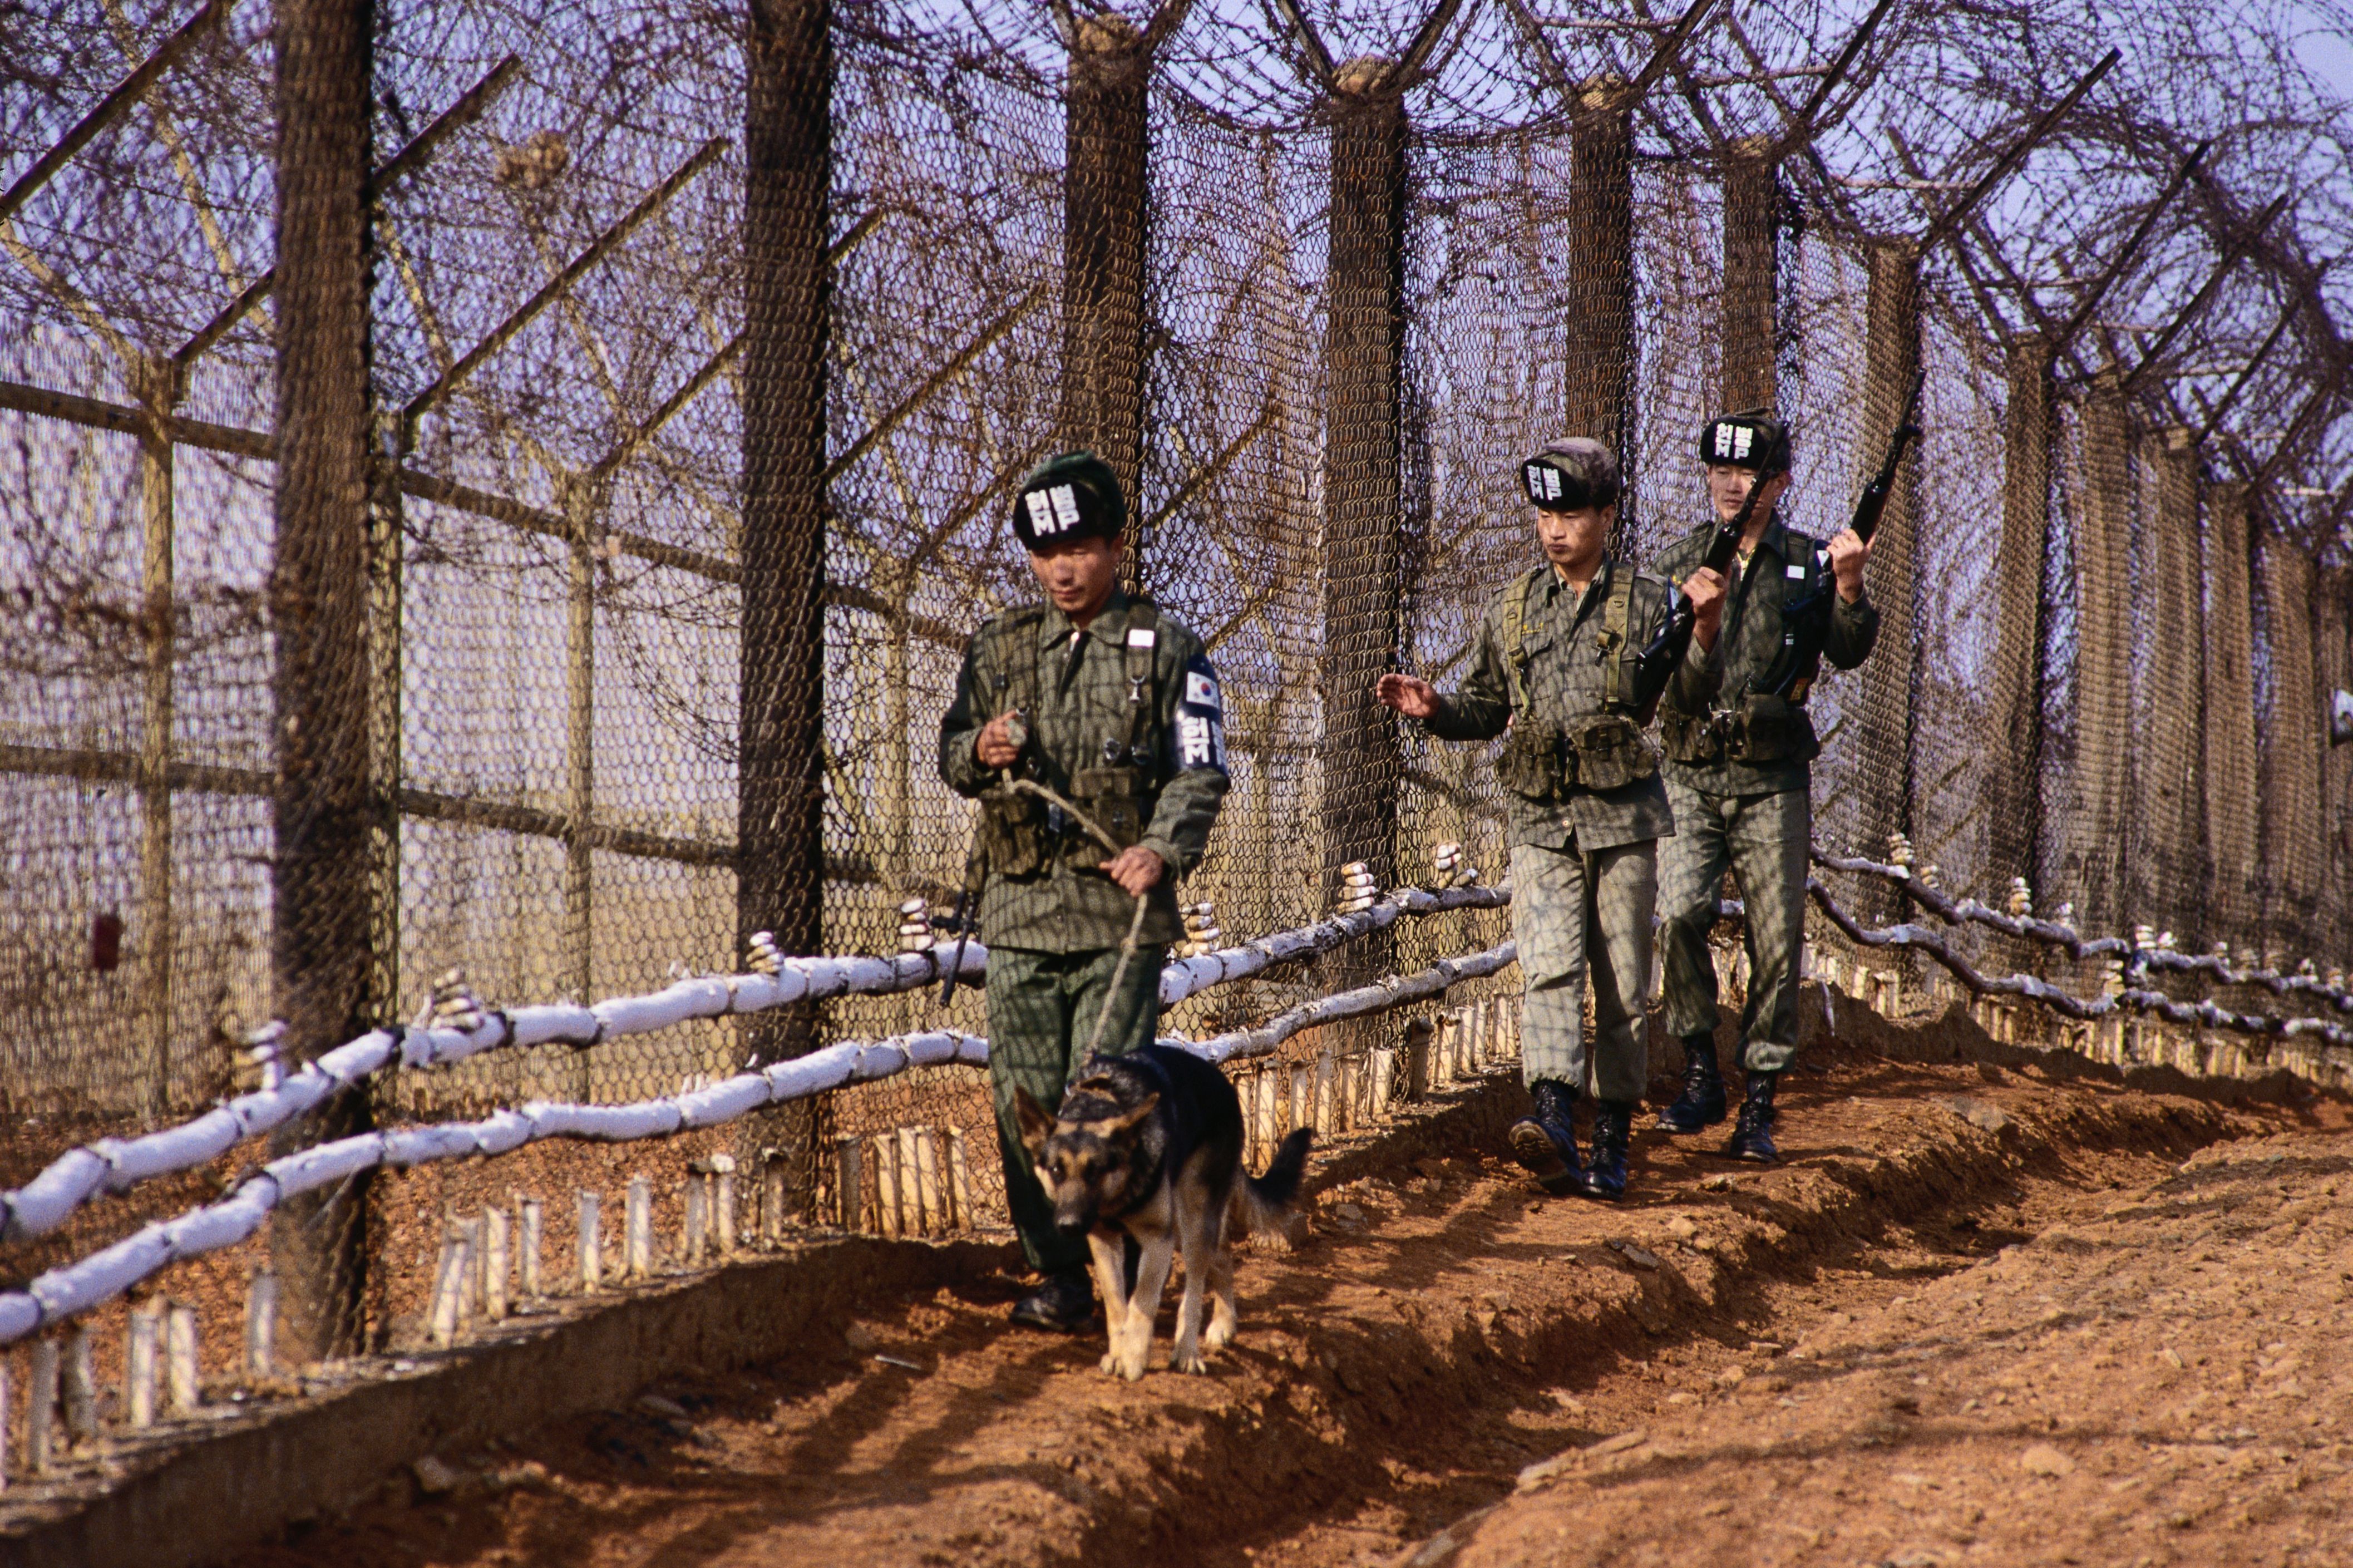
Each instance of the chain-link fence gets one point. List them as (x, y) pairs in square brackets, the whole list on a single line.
[(509, 491)]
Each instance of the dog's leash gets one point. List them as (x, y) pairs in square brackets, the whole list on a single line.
[(1136, 923)]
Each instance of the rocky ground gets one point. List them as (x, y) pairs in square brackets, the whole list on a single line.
[(1979, 1313)]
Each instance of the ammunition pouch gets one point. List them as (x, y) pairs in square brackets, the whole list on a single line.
[(1769, 729), (1013, 839), (1690, 738), (1120, 801), (1533, 764), (1611, 751)]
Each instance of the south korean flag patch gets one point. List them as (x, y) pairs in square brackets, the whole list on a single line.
[(1200, 740)]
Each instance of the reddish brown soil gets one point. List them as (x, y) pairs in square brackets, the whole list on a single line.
[(1446, 1329)]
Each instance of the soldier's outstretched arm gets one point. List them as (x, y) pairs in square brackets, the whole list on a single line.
[(1193, 718), (960, 729), (1481, 708)]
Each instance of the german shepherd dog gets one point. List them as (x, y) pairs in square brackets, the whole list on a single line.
[(1148, 1146)]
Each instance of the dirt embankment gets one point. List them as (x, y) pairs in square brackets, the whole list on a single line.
[(1444, 1330)]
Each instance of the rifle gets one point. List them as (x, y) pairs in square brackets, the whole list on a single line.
[(1666, 650), (964, 924), (1873, 500)]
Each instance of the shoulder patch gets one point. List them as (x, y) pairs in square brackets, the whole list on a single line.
[(1200, 738)]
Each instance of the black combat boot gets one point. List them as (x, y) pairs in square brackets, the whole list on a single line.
[(1064, 1304), (1752, 1135), (1613, 1123), (1700, 1104), (1545, 1139)]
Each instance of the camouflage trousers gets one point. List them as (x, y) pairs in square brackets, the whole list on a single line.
[(1762, 838), (1041, 1013), (1575, 915)]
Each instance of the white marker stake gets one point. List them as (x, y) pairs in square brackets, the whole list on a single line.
[(723, 1211), (183, 1382), (696, 1225), (261, 1325), (592, 1269), (637, 1230), (448, 1288), (41, 1418), (496, 1244), (80, 1390), (139, 1364), (959, 1183), (535, 1221)]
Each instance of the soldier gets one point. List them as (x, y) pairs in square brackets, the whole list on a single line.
[(1115, 707), (1737, 774), (1573, 656)]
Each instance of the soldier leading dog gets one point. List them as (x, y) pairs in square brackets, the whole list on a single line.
[(1148, 1147)]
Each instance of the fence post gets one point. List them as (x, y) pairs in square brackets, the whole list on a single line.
[(2332, 620), (1105, 201), (322, 926), (787, 313), (1751, 244), (1364, 360), (2231, 740), (1601, 315), (2014, 717), (159, 393), (2294, 736), (580, 757), (2168, 856), (2102, 771), (1885, 738)]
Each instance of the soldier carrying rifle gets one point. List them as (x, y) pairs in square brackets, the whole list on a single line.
[(1738, 765)]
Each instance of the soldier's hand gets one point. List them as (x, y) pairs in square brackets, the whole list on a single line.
[(1409, 694), (1136, 868), (995, 749), (1849, 554), (1705, 589)]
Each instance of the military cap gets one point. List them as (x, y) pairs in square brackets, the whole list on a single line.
[(1752, 438), (1071, 495), (1571, 473)]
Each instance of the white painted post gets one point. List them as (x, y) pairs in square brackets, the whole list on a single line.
[(1384, 1065), (849, 1181), (138, 1366), (470, 1284), (448, 1290), (80, 1391), (497, 1243), (40, 1420), (922, 1142), (959, 1183), (1328, 1115), (723, 1211), (637, 1230), (181, 1368), (592, 1243), (886, 1185), (533, 1222), (772, 1198), (695, 1223), (1303, 1097), (262, 1324)]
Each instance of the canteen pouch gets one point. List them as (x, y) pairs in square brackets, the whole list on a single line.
[(1612, 752), (1531, 765), (1771, 730), (1012, 833), (1114, 798)]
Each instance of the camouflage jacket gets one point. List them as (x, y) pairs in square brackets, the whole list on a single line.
[(1751, 641), (1080, 693), (1566, 672)]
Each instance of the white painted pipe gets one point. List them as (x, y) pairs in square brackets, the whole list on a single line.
[(448, 1291)]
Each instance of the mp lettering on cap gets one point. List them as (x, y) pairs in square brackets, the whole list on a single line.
[(1724, 440), (1041, 514), (1066, 505), (1741, 436), (1552, 484)]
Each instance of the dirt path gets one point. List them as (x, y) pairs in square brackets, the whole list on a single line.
[(2162, 1381), (1443, 1330)]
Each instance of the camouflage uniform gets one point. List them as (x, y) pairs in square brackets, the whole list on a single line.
[(1054, 921), (1583, 864), (1753, 816)]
